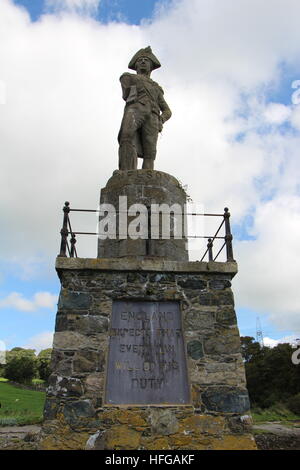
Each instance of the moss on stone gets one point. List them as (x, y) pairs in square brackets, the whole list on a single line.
[(234, 442), (121, 437)]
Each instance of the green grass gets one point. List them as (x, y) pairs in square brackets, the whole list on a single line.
[(37, 381), (276, 412), (261, 431), (19, 407)]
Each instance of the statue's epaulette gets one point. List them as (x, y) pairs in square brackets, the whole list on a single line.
[(126, 74)]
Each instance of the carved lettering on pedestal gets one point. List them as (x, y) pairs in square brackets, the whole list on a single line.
[(146, 360)]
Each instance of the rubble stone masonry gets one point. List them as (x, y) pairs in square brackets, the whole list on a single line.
[(76, 415)]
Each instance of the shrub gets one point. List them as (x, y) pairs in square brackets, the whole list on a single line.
[(294, 404), (21, 369), (43, 364)]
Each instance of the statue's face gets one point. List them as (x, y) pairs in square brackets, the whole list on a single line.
[(143, 65)]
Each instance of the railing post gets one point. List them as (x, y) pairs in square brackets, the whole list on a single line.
[(64, 231), (72, 242), (210, 250), (148, 241), (228, 235)]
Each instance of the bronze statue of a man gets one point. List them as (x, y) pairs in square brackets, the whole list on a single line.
[(145, 112)]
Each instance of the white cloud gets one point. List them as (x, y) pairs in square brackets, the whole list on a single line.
[(40, 341), (228, 39), (45, 299), (39, 300), (3, 349), (277, 113), (63, 110), (28, 267), (269, 266), (271, 343), (2, 92), (295, 117)]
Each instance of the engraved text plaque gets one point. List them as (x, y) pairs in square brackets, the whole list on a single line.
[(146, 360)]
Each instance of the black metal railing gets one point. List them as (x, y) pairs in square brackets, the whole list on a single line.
[(69, 249)]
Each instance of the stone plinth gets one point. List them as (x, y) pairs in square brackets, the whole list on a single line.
[(144, 187), (215, 414)]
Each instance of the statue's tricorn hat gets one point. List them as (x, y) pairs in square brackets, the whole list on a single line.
[(147, 52)]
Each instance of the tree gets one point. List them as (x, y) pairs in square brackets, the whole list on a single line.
[(250, 348), (21, 365), (2, 370), (294, 404), (271, 375), (43, 360)]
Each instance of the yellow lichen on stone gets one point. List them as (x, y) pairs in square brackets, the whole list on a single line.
[(64, 440), (170, 293), (130, 417), (200, 444), (180, 440), (203, 424), (160, 443), (60, 436), (189, 441), (234, 442), (120, 437), (195, 395)]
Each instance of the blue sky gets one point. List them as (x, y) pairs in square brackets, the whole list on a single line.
[(131, 11), (248, 139)]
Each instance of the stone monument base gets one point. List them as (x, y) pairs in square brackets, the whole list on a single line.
[(146, 187), (84, 410)]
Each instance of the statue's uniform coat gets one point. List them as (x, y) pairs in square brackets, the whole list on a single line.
[(145, 112)]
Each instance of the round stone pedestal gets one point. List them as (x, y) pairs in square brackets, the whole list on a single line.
[(147, 188)]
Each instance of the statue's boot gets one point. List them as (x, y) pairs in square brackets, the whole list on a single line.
[(127, 156), (148, 164)]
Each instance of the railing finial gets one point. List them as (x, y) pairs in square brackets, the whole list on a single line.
[(64, 231), (228, 235)]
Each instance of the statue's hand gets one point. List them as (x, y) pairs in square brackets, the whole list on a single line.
[(160, 124)]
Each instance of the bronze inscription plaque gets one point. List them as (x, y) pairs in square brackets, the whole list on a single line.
[(146, 359)]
